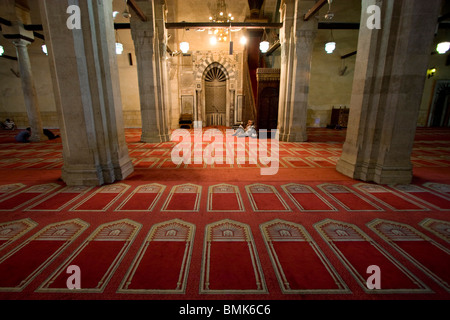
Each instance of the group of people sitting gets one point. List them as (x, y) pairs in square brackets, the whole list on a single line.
[(24, 136)]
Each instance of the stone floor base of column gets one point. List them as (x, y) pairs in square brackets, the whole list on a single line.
[(378, 174), (298, 136), (82, 176), (151, 137), (123, 170)]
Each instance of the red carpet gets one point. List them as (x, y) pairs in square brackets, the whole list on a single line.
[(224, 231), (300, 265), (99, 255), (162, 263)]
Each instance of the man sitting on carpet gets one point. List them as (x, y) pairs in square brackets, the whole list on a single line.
[(249, 130), (23, 136), (8, 125)]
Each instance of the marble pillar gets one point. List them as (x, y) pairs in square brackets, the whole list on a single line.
[(150, 44), (19, 15), (86, 86), (297, 43), (29, 91), (387, 89)]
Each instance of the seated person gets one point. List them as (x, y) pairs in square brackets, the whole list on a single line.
[(50, 135), (8, 125), (248, 131), (24, 136)]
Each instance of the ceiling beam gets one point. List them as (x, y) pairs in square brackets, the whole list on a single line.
[(133, 5), (319, 4), (5, 22), (348, 55), (8, 57), (339, 25), (246, 25)]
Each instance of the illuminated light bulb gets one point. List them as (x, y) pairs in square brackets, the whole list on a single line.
[(443, 47), (243, 40), (264, 46), (330, 47), (213, 40), (119, 48), (44, 49), (184, 47)]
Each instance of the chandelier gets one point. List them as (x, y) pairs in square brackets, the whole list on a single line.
[(220, 15)]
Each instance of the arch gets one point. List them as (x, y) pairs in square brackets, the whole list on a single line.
[(215, 74), (205, 63), (215, 78), (216, 69), (209, 62)]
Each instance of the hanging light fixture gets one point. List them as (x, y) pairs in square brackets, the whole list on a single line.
[(2, 51), (126, 14), (330, 46), (119, 45), (264, 45), (443, 47), (329, 15), (119, 48), (44, 49), (221, 15), (184, 45)]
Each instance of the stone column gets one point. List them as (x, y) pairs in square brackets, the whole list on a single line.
[(86, 87), (19, 15), (388, 83), (232, 118), (198, 105), (148, 37), (29, 91), (297, 37), (286, 64)]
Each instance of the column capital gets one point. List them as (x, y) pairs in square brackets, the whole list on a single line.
[(21, 42), (16, 32)]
